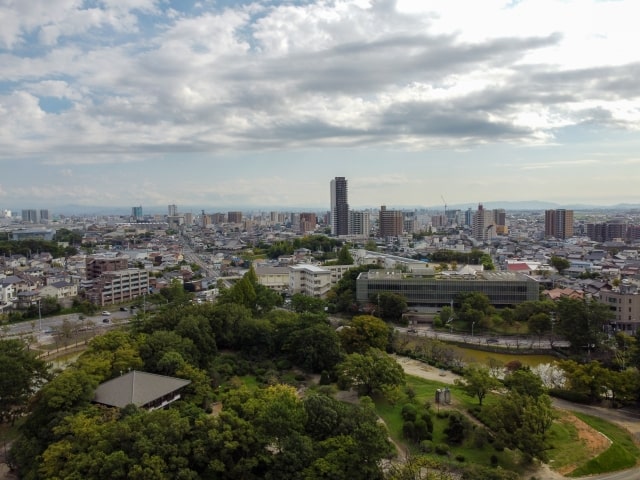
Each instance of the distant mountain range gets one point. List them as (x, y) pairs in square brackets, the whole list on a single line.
[(532, 205)]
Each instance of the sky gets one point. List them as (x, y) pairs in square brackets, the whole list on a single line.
[(261, 103)]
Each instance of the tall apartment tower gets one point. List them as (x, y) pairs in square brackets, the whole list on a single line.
[(30, 216), (558, 223), (483, 225), (391, 222), (339, 207), (173, 210), (234, 217), (136, 213), (359, 223)]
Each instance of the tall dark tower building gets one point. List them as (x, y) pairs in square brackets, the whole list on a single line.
[(339, 207), (558, 223)]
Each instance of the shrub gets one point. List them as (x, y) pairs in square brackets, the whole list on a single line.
[(426, 446), (460, 458), (494, 460), (409, 430), (442, 449), (409, 412)]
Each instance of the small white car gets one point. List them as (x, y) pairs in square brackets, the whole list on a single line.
[(106, 313)]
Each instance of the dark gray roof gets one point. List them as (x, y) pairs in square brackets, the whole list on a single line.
[(136, 387)]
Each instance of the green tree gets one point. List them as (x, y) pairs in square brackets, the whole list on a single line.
[(344, 256), (581, 322), (364, 332), (314, 348), (522, 421), (525, 382), (343, 294), (539, 324), (588, 380), (559, 263), (391, 305), (304, 303), (487, 262), (22, 375), (477, 382), (371, 372)]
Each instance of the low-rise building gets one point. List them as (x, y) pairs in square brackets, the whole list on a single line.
[(624, 302), (428, 289), (309, 280), (275, 278)]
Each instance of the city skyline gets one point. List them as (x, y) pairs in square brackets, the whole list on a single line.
[(260, 104)]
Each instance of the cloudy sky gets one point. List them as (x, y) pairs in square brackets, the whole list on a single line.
[(228, 103)]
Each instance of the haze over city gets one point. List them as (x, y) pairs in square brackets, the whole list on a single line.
[(239, 103)]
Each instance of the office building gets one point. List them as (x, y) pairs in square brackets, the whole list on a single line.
[(558, 223), (390, 223), (339, 207), (428, 289), (44, 215)]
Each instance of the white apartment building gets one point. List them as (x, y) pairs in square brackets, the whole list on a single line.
[(309, 280)]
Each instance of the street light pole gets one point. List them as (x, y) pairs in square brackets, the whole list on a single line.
[(472, 325)]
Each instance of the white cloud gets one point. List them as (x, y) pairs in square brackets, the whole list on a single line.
[(393, 78)]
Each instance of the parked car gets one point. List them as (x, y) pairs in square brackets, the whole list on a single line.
[(105, 320), (124, 309), (106, 313)]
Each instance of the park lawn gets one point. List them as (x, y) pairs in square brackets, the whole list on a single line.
[(425, 392), (567, 448), (622, 454)]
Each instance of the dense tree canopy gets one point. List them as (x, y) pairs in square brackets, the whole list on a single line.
[(22, 375), (373, 371), (364, 332), (581, 322)]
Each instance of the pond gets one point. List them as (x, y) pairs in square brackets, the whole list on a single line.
[(482, 357)]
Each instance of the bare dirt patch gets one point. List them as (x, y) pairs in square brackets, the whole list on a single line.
[(594, 441)]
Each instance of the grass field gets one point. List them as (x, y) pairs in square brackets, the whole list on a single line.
[(622, 454), (568, 450), (472, 449)]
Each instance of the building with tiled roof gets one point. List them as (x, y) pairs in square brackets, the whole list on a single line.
[(144, 390)]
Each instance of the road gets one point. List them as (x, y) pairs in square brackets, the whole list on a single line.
[(42, 329)]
